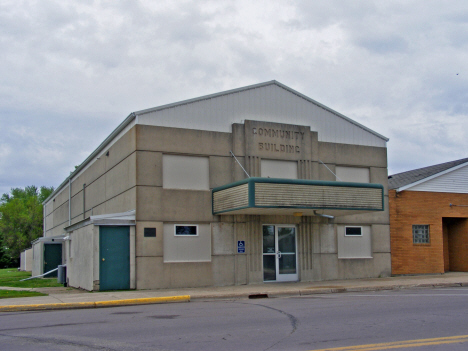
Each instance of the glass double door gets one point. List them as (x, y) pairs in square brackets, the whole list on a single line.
[(279, 253)]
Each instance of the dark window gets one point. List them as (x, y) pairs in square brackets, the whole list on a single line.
[(186, 230), (353, 231), (421, 234), (150, 232)]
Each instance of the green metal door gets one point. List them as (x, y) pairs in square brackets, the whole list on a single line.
[(52, 258), (114, 258)]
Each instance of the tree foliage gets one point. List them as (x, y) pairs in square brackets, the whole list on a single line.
[(21, 219)]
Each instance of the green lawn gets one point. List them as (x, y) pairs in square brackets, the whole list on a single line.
[(7, 294), (11, 277)]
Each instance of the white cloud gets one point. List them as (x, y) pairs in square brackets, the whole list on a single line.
[(70, 72)]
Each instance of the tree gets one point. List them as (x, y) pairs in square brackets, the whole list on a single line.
[(21, 219)]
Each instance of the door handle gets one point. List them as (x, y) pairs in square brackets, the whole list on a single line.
[(278, 253), (103, 259)]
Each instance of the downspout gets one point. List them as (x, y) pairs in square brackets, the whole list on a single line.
[(69, 200), (44, 227), (41, 275), (84, 201), (323, 215)]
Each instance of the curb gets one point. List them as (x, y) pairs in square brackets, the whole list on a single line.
[(321, 291), (96, 304), (228, 296)]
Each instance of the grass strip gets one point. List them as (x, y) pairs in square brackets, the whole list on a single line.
[(8, 294), (11, 277)]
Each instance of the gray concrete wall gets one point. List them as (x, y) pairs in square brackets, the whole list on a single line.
[(22, 261), (187, 248), (26, 260), (354, 247), (182, 141), (110, 187), (152, 272), (353, 174), (278, 169), (80, 256), (38, 259), (131, 177), (316, 237), (352, 155), (158, 207)]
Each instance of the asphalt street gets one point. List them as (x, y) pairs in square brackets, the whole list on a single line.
[(419, 319)]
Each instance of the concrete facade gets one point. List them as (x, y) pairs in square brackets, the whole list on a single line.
[(165, 175)]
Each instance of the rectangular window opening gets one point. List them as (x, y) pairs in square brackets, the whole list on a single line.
[(353, 231), (421, 234), (186, 230), (149, 233)]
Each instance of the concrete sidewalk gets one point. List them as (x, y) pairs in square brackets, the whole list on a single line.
[(60, 298)]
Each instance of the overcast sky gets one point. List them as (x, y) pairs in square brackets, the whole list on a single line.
[(71, 71)]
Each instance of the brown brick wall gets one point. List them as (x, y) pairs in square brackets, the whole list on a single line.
[(417, 207)]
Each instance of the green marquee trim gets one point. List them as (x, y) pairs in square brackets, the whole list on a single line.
[(299, 182), (254, 180)]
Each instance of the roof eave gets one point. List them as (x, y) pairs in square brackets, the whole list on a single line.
[(405, 187), (93, 155), (332, 111)]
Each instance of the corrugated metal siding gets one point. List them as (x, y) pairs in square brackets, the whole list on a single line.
[(231, 198), (286, 195), (269, 103), (452, 182)]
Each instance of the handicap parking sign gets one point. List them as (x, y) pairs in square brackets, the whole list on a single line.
[(241, 246)]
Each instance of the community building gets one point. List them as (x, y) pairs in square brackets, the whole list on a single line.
[(259, 184), (429, 219)]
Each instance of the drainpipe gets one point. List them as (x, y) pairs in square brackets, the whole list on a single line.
[(44, 219), (84, 201), (323, 215), (69, 200)]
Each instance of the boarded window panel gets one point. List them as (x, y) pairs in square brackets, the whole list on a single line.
[(352, 174), (354, 246), (186, 172), (279, 169), (187, 248)]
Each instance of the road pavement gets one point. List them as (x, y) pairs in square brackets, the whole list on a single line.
[(409, 319), (67, 298)]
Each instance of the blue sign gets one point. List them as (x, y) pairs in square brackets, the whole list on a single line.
[(240, 246)]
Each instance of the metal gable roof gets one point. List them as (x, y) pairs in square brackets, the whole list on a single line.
[(255, 86), (404, 179)]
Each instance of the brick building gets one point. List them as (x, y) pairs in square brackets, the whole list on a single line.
[(429, 219)]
